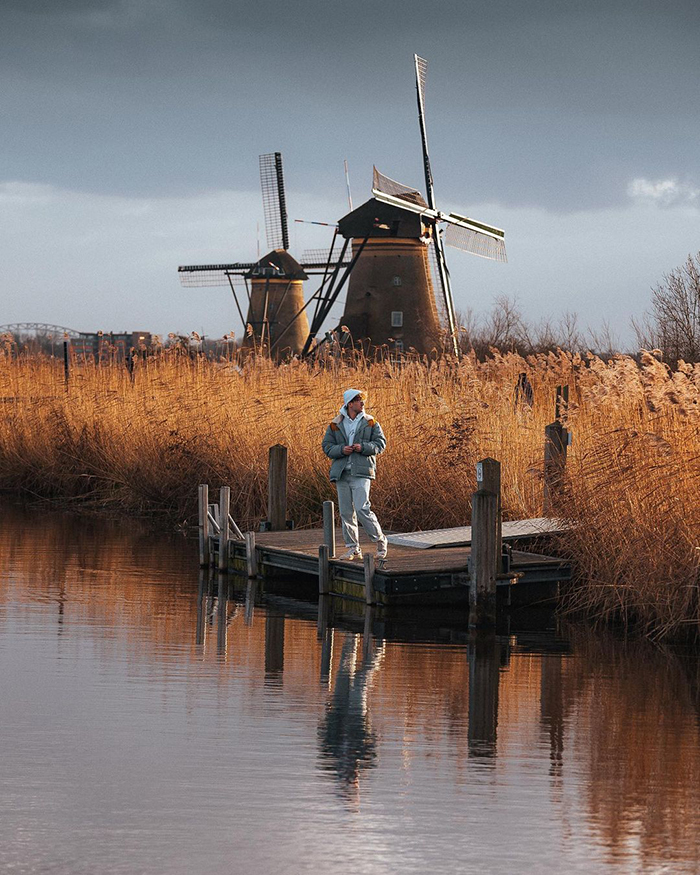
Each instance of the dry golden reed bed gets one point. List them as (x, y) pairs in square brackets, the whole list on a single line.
[(633, 476)]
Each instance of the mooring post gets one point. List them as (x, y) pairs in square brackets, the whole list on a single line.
[(203, 501), (224, 504), (324, 584), (555, 446), (329, 527), (251, 558), (277, 488), (488, 477), (482, 589), (369, 579)]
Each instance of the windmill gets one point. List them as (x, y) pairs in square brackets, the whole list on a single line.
[(276, 321), (391, 295)]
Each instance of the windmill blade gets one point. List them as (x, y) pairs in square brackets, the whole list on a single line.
[(421, 70), (478, 238), (274, 201), (322, 256), (390, 188), (210, 275)]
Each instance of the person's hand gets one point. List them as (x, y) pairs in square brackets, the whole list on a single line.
[(357, 448), (348, 450)]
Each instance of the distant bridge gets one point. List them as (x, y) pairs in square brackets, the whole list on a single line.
[(16, 328)]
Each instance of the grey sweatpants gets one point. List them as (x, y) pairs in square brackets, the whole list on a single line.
[(353, 503)]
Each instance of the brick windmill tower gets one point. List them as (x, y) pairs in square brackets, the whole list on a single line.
[(391, 299)]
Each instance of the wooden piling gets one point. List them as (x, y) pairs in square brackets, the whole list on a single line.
[(224, 503), (277, 488), (488, 477), (324, 581), (370, 597), (555, 446), (482, 590), (251, 557), (203, 500), (329, 527)]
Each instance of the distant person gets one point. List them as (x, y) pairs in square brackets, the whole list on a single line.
[(352, 441), (524, 394)]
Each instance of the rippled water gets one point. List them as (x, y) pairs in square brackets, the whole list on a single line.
[(155, 721)]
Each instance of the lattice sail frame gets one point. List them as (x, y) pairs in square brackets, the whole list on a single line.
[(211, 277), (274, 201), (462, 233)]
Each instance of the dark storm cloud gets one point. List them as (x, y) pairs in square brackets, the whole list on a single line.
[(544, 103)]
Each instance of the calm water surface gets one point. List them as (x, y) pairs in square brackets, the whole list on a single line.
[(154, 721)]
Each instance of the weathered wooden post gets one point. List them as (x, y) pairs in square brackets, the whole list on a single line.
[(329, 527), (224, 504), (370, 597), (203, 507), (324, 582), (561, 404), (555, 445), (277, 488), (66, 362), (251, 557), (488, 477), (482, 590)]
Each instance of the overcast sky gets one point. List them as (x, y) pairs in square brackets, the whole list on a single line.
[(132, 128)]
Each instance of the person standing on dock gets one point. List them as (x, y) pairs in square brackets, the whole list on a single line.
[(352, 441)]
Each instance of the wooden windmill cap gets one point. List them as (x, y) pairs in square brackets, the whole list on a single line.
[(277, 264)]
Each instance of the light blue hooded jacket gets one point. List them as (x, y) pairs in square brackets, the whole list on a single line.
[(363, 464)]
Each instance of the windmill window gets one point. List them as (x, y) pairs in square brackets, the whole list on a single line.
[(396, 281), (398, 345), (397, 318)]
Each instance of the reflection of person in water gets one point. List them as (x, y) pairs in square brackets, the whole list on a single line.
[(347, 741)]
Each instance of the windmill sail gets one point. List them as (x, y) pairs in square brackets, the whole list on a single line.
[(274, 201), (465, 236)]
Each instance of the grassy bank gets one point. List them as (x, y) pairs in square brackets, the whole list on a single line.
[(142, 445)]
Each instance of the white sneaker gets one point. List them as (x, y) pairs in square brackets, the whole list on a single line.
[(351, 553), (382, 549)]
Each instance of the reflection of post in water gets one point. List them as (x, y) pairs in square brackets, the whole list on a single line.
[(484, 666), (250, 595), (204, 593), (347, 742), (552, 708), (324, 633), (222, 619), (274, 646)]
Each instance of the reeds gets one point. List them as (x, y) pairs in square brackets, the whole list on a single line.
[(142, 442)]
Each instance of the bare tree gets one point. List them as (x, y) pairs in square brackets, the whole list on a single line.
[(673, 325)]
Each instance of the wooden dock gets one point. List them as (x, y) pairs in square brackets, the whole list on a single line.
[(483, 565), (409, 575)]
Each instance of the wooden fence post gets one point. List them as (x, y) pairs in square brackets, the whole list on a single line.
[(250, 555), (66, 362), (224, 504), (488, 477), (203, 502), (329, 527), (482, 590), (369, 579), (561, 405), (324, 583), (277, 488), (555, 446)]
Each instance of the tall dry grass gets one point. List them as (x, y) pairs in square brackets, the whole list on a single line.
[(143, 445)]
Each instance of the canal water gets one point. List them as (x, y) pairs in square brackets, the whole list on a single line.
[(158, 721)]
